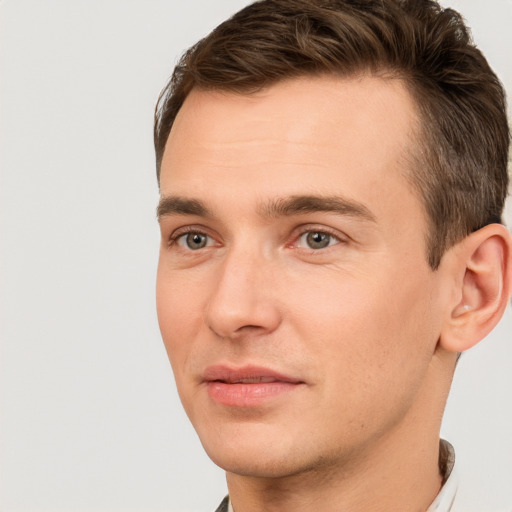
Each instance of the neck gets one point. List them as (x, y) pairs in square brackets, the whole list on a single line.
[(398, 471)]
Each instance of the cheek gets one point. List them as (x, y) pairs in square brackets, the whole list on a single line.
[(374, 365), (368, 335), (178, 313)]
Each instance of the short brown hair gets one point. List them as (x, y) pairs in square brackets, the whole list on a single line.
[(460, 163)]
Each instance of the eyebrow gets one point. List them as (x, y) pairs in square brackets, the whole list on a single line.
[(280, 207), (296, 205), (174, 205)]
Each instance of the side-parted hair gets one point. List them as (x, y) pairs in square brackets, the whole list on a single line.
[(460, 155)]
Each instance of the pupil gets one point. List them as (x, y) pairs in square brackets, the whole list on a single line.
[(318, 240), (196, 241)]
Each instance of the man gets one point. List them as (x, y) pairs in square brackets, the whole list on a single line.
[(332, 177)]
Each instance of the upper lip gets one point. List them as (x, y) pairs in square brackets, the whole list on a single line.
[(247, 374)]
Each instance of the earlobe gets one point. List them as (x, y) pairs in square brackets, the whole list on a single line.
[(484, 260)]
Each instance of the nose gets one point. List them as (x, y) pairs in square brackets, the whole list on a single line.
[(243, 302)]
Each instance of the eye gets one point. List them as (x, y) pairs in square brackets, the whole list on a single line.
[(193, 241), (317, 240)]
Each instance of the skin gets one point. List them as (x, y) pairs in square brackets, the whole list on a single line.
[(358, 323)]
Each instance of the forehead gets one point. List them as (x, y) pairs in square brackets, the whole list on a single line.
[(325, 135), (312, 112)]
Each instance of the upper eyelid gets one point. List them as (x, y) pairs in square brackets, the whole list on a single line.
[(336, 237), (192, 228), (179, 237), (175, 235), (293, 237), (306, 228)]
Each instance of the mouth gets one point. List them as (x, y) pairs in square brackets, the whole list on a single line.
[(248, 386)]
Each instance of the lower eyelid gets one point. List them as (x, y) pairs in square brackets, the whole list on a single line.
[(183, 237), (335, 237), (178, 238)]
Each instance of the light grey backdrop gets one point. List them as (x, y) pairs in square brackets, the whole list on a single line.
[(90, 419)]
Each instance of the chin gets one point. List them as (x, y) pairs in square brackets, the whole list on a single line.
[(251, 454), (264, 456), (256, 465)]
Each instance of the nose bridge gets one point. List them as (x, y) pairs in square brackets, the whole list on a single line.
[(241, 297)]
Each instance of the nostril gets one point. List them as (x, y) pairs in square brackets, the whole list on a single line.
[(237, 307), (224, 331)]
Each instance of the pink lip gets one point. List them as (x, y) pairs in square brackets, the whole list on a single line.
[(248, 386)]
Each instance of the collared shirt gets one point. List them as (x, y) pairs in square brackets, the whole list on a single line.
[(446, 496), (443, 501)]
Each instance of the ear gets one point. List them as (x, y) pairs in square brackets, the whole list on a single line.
[(483, 266)]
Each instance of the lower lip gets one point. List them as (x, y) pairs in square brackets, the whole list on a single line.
[(247, 395)]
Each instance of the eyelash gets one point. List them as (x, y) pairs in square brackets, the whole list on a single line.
[(187, 230), (314, 229), (299, 233)]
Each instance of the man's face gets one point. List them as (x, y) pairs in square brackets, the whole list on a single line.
[(294, 296)]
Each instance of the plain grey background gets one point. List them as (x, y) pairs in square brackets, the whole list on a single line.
[(90, 420)]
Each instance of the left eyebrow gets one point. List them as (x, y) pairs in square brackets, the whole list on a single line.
[(296, 205)]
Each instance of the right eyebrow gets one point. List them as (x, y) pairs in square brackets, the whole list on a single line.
[(175, 205)]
